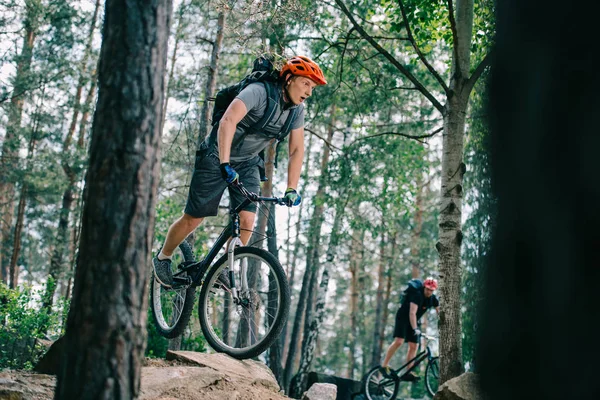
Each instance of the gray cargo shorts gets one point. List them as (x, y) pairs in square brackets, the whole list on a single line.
[(207, 185)]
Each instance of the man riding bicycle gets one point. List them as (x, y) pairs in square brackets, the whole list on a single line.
[(417, 300), (222, 164)]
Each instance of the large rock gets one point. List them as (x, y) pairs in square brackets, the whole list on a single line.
[(321, 391), (347, 389), (463, 387), (188, 376)]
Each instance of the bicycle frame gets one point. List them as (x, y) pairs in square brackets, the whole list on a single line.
[(418, 359), (198, 269)]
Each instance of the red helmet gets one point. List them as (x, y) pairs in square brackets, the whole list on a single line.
[(430, 283), (304, 66)]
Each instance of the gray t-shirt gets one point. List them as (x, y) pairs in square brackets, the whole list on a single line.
[(254, 97)]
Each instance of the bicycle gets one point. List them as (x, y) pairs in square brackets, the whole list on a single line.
[(244, 298), (378, 386)]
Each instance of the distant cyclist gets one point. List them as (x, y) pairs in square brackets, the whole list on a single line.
[(417, 299), (223, 163)]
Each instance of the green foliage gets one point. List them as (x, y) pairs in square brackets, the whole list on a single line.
[(22, 322)]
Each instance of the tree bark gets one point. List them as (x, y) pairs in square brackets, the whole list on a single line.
[(106, 327), (10, 146)]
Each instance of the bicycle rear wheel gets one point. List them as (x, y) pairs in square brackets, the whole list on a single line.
[(377, 387), (432, 376), (172, 308), (246, 327)]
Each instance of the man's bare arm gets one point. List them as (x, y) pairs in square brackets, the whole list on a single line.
[(412, 315), (233, 115), (296, 147)]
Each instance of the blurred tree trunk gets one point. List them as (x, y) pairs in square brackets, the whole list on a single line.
[(57, 259), (10, 146), (106, 328), (540, 281)]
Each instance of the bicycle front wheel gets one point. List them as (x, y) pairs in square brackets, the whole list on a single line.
[(246, 326), (377, 387), (432, 376), (172, 308)]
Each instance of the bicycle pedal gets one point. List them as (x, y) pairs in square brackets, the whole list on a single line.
[(182, 280)]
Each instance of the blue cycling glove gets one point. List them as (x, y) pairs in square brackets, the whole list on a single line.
[(228, 173), (293, 198)]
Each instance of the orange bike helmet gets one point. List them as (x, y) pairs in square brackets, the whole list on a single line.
[(430, 283), (304, 66)]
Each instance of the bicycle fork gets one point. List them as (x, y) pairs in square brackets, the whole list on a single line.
[(233, 243)]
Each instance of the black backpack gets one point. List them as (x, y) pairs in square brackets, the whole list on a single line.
[(262, 72), (414, 286)]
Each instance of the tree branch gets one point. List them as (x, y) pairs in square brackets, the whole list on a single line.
[(414, 137), (391, 58), (454, 32), (478, 71), (327, 143), (419, 53)]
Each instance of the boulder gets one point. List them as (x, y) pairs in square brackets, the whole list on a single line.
[(188, 376), (463, 387), (347, 389), (321, 391)]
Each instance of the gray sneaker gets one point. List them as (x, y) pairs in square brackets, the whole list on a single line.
[(162, 271)]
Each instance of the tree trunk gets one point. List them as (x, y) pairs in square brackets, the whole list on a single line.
[(311, 338), (354, 290), (388, 292), (376, 350), (542, 272), (314, 231), (106, 327), (211, 79), (86, 110), (417, 229), (294, 258), (312, 258), (10, 146), (14, 268)]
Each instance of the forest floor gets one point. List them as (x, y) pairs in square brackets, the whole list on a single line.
[(185, 376)]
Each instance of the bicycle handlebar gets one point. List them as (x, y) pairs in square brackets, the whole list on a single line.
[(429, 337), (255, 197)]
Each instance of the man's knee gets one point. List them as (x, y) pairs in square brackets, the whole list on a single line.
[(247, 219), (398, 341), (412, 346), (190, 222)]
